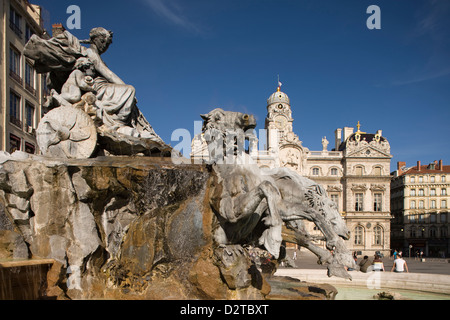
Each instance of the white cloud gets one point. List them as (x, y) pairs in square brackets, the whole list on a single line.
[(432, 30), (174, 13)]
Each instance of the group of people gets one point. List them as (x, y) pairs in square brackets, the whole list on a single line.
[(366, 265)]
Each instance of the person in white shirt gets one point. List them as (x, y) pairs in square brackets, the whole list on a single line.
[(399, 265)]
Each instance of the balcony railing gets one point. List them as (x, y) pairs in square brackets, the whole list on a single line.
[(30, 89), (15, 28), (15, 76), (16, 122)]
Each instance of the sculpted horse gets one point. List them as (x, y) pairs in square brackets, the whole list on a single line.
[(226, 132), (253, 205)]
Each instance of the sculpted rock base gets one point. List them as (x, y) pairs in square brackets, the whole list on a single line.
[(121, 228)]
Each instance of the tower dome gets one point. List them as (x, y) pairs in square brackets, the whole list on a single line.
[(278, 97)]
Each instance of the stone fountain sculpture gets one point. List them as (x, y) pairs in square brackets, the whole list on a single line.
[(123, 227), (92, 111), (253, 205)]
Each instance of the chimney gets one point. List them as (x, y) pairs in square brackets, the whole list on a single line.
[(337, 138), (400, 165), (57, 29), (347, 132), (418, 165), (441, 167)]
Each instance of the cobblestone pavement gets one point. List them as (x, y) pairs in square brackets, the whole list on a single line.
[(307, 260)]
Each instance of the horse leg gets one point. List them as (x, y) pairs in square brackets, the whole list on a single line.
[(296, 234), (295, 211), (250, 206)]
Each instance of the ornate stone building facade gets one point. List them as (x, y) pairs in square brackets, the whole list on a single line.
[(419, 202), (356, 173)]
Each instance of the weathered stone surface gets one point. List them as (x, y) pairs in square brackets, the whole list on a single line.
[(67, 132), (12, 245), (234, 264), (128, 228), (122, 228), (293, 289)]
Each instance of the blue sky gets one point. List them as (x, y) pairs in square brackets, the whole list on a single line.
[(187, 57)]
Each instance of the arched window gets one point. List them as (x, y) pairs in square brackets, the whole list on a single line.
[(433, 232), (315, 171), (334, 171), (359, 170), (378, 235), (377, 171), (359, 235)]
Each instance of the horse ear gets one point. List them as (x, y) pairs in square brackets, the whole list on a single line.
[(320, 190)]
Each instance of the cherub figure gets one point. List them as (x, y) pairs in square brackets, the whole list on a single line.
[(80, 80)]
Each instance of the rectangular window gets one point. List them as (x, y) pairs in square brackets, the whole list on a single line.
[(377, 202), (412, 192), (444, 204), (29, 77), (413, 179), (359, 233), (359, 197), (420, 179), (432, 179), (433, 204), (28, 33), (335, 198), (30, 148), (421, 204), (14, 62), (443, 217), (378, 235), (432, 218), (443, 192), (15, 21), (421, 193), (443, 179), (29, 113), (432, 192), (14, 143), (413, 204), (14, 109)]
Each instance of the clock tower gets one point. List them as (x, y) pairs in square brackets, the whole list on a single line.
[(279, 119), (282, 143)]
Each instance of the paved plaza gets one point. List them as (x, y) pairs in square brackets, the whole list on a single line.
[(307, 260), (430, 275)]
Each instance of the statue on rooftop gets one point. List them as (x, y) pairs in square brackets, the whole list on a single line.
[(79, 78)]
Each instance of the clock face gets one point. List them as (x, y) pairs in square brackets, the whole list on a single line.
[(280, 122)]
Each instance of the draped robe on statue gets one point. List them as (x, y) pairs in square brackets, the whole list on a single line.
[(116, 103)]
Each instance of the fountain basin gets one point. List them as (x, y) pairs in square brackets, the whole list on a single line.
[(421, 282), (24, 279)]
